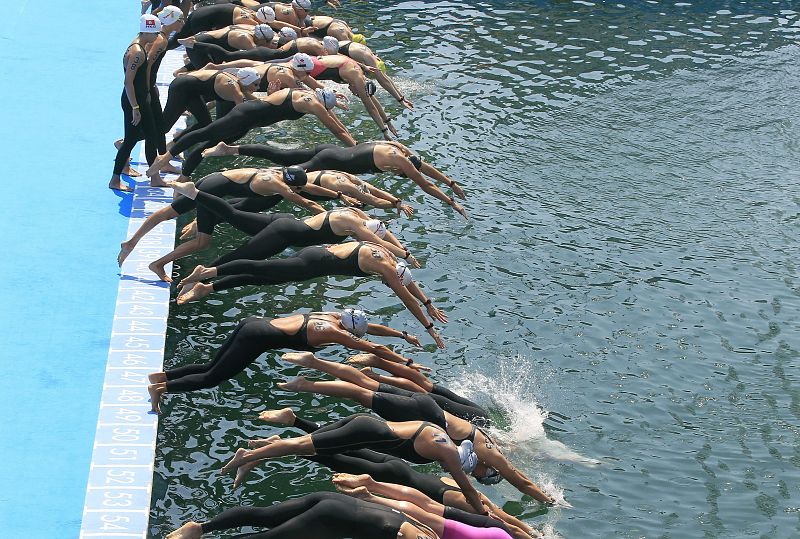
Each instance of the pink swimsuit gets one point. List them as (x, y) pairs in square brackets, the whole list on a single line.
[(456, 530)]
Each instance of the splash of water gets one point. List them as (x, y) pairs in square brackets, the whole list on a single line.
[(513, 389)]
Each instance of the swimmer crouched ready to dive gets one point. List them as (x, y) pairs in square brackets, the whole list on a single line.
[(255, 335), (320, 515)]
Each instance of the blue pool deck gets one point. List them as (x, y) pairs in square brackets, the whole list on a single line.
[(60, 115)]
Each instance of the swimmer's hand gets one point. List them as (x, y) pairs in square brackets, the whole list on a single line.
[(391, 127), (458, 190), (412, 339), (350, 201), (436, 313), (137, 117), (405, 208), (333, 3), (342, 101), (407, 104), (435, 335), (418, 367), (211, 66), (413, 261)]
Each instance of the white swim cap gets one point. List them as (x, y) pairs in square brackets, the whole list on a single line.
[(468, 457), (331, 44), (287, 33), (302, 4), (247, 76), (265, 14), (327, 97), (355, 321), (376, 227), (404, 273), (149, 24), (170, 15), (303, 62), (264, 31)]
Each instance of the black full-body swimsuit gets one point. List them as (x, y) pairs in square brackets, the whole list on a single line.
[(251, 338), (233, 126), (307, 264), (146, 129)]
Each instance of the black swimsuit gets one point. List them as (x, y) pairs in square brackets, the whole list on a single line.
[(233, 126), (146, 129), (363, 431), (251, 338), (307, 264)]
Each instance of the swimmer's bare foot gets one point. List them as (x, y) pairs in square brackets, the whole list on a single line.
[(161, 161), (369, 372), (305, 359), (358, 492), (188, 42), (187, 189), (352, 481), (189, 230), (284, 416), (199, 273), (158, 269), (117, 185), (236, 461), (169, 168), (157, 377), (365, 360), (131, 172), (190, 530), (242, 472), (261, 442), (220, 150), (156, 391), (198, 291), (125, 248), (157, 181), (295, 384)]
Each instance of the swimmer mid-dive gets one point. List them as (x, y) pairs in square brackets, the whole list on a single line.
[(288, 104), (396, 406), (388, 469), (357, 259), (273, 233), (261, 189), (254, 336), (419, 442), (364, 158), (418, 404)]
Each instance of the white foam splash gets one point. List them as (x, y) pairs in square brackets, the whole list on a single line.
[(514, 390)]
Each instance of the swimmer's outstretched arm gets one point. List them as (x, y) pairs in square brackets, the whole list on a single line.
[(408, 300), (433, 311), (521, 481), (380, 330), (345, 338)]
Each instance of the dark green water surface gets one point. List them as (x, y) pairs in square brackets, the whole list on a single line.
[(625, 295)]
